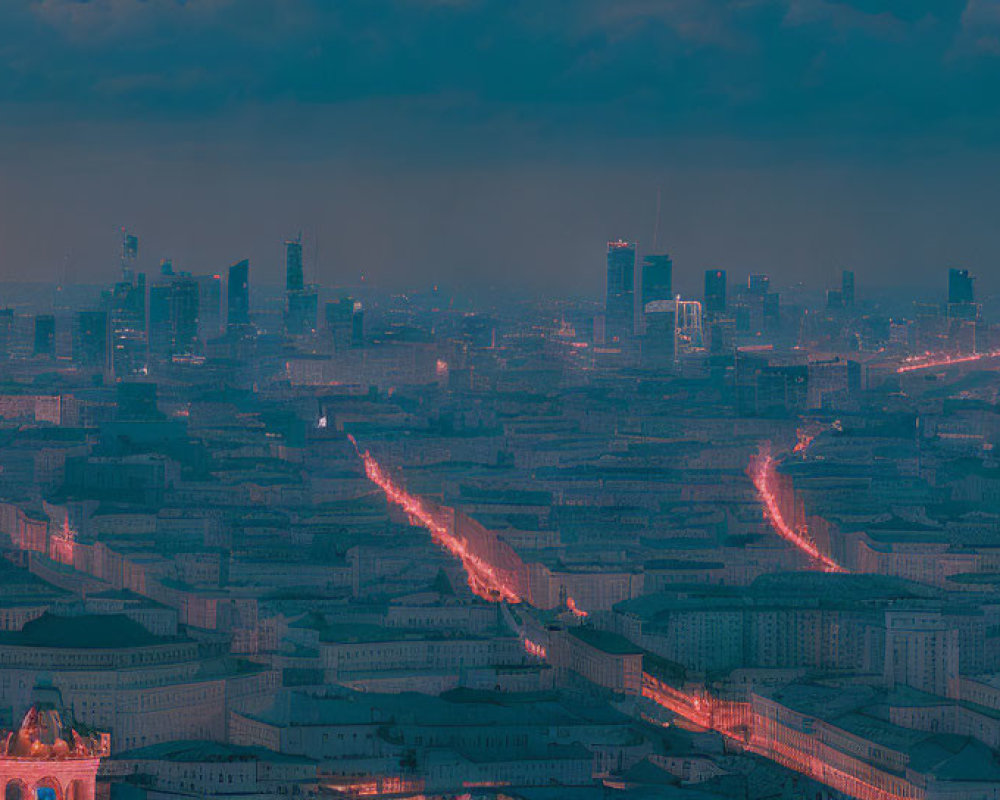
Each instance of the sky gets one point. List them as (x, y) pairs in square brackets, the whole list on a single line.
[(502, 142)]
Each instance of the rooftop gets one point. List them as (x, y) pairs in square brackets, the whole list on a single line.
[(88, 631)]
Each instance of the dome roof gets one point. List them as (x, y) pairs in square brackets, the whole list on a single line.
[(44, 735)]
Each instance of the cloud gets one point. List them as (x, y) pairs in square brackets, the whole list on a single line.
[(840, 73), (785, 133)]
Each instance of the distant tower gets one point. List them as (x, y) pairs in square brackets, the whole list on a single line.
[(300, 312), (184, 298), (159, 336), (90, 339), (659, 340), (345, 323), (657, 278), (758, 284), (960, 287), (238, 295), (620, 299), (961, 296), (173, 317), (715, 291), (209, 305), (294, 281), (128, 325), (130, 255), (45, 335), (847, 288)]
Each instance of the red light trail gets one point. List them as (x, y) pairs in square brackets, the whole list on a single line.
[(729, 718), (732, 719), (484, 580), (575, 609), (930, 361), (762, 473), (737, 722)]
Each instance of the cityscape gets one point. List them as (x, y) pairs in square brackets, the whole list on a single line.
[(499, 400), (350, 543)]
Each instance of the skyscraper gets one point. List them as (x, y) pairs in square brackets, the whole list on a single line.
[(657, 278), (715, 291), (758, 284), (209, 305), (300, 315), (45, 335), (130, 255), (184, 315), (619, 303), (294, 281), (961, 295), (960, 286), (301, 303), (358, 325), (847, 288), (160, 336), (90, 340), (128, 326), (345, 323), (173, 317), (238, 295), (6, 329), (659, 342)]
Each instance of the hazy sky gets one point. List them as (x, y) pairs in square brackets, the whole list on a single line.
[(472, 140)]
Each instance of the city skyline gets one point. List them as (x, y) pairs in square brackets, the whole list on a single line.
[(499, 400), (755, 123)]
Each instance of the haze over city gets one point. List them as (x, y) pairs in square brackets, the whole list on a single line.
[(462, 141), (466, 400)]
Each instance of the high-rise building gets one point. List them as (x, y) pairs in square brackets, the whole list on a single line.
[(960, 287), (173, 317), (771, 310), (961, 295), (715, 291), (758, 284), (184, 297), (160, 335), (619, 303), (209, 306), (300, 316), (847, 288), (45, 335), (128, 326), (294, 280), (238, 295), (345, 322), (659, 340), (6, 329), (130, 255), (302, 303), (657, 278), (90, 342), (358, 325)]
